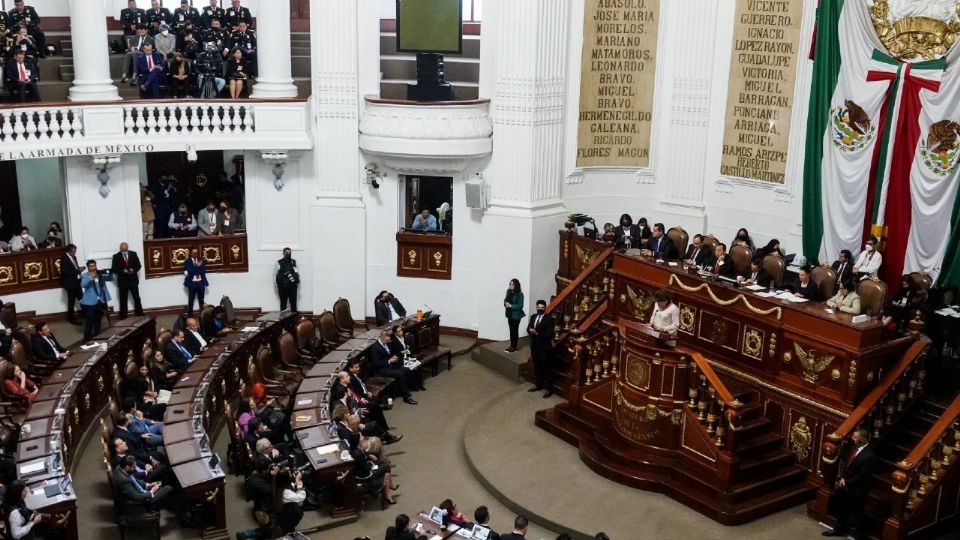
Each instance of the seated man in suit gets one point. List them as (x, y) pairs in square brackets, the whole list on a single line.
[(46, 348), (387, 308), (150, 69), (660, 246), (722, 265), (843, 266), (805, 287), (137, 445), (134, 493), (627, 235), (756, 275), (481, 516), (194, 340), (148, 470), (20, 76), (697, 254), (846, 299), (176, 353), (424, 221), (386, 364), (856, 473), (520, 525), (373, 421), (135, 44), (139, 425)]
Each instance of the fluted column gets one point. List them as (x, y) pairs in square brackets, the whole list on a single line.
[(274, 79), (91, 60)]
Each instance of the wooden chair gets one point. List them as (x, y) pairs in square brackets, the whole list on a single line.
[(206, 317), (329, 335), (229, 315), (710, 242), (344, 318), (279, 389), (680, 238), (774, 265), (873, 296), (826, 279), (924, 283), (237, 456), (306, 332), (163, 338), (741, 254), (20, 357), (8, 315), (290, 358)]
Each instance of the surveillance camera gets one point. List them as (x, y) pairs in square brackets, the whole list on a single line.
[(375, 184), (370, 167)]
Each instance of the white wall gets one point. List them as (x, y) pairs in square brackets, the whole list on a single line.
[(40, 183), (388, 9)]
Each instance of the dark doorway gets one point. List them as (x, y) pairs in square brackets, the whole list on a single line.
[(9, 200), (196, 181)]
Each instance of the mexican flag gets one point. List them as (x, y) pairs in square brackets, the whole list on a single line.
[(883, 145)]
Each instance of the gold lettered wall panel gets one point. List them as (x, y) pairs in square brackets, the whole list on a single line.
[(618, 70), (763, 69)]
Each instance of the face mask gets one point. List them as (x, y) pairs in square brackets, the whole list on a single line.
[(286, 255), (541, 311), (869, 247), (24, 236)]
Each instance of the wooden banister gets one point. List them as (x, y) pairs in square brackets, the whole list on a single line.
[(870, 401), (932, 437), (713, 379), (573, 285), (595, 316)]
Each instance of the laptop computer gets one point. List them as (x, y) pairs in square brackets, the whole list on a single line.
[(61, 487)]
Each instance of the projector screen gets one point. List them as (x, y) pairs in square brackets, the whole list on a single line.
[(429, 26)]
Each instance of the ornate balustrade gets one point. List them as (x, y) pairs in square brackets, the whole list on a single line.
[(165, 257), (26, 271), (714, 406), (923, 481), (66, 129), (583, 294)]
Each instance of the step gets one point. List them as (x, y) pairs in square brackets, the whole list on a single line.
[(758, 445), (754, 427), (302, 50), (511, 366), (760, 487), (471, 46), (768, 462)]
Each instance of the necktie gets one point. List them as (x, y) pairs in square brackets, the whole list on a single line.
[(537, 323), (840, 273), (52, 345), (852, 456), (150, 63), (140, 45), (126, 259), (658, 246), (716, 267), (23, 72), (183, 351), (694, 256), (754, 276)]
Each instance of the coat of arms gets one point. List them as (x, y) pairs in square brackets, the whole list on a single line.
[(852, 128), (939, 153)]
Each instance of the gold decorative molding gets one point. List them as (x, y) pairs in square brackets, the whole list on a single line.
[(772, 345), (674, 280), (688, 316), (585, 256), (752, 342), (412, 256), (641, 302), (812, 366), (179, 255), (212, 254), (914, 37), (800, 439), (6, 274), (32, 271), (235, 252), (637, 372), (835, 374), (437, 258)]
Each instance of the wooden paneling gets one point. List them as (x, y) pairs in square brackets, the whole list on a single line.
[(165, 257), (424, 255), (26, 271)]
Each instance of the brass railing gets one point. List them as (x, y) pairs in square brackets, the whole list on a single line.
[(714, 406), (580, 297)]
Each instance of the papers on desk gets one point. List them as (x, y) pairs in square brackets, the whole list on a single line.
[(949, 311), (250, 329), (671, 263), (163, 397), (331, 448), (766, 294), (411, 363), (33, 468), (790, 297), (756, 288), (89, 346)]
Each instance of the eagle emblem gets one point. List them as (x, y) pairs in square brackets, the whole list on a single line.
[(852, 128), (812, 366), (585, 256), (641, 302), (939, 152)]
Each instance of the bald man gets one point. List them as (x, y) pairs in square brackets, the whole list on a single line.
[(126, 266)]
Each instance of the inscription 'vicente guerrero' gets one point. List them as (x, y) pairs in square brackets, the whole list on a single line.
[(618, 67), (760, 92)]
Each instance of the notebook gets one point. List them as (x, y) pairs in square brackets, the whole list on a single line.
[(163, 397)]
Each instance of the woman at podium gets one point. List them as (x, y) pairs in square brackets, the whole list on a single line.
[(665, 318)]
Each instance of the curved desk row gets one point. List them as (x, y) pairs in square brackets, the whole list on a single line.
[(196, 409), (68, 402)]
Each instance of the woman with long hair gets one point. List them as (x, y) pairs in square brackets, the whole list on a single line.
[(513, 306), (20, 520), (237, 73), (743, 236)]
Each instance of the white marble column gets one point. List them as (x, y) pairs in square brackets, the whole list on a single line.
[(91, 60), (524, 46), (274, 77)]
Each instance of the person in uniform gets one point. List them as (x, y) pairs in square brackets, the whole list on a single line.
[(157, 15), (22, 15), (288, 279), (246, 40), (131, 17), (235, 14), (215, 34), (209, 13), (185, 14)]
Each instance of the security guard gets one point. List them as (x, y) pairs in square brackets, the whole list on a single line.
[(184, 14), (246, 40), (158, 15), (237, 13), (217, 35), (209, 13), (22, 15), (131, 17)]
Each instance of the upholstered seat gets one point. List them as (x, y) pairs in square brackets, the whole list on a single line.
[(328, 330), (710, 242), (344, 318), (290, 358), (679, 237), (774, 265), (873, 296), (741, 255), (826, 279)]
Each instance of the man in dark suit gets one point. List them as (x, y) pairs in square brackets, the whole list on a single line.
[(195, 279), (193, 338), (627, 235), (386, 364), (520, 525), (387, 308), (150, 70), (696, 253), (756, 275), (70, 271), (481, 516), (148, 470), (21, 77), (843, 266), (137, 445), (857, 466), (176, 354), (723, 265), (660, 246), (126, 266), (46, 348), (540, 330)]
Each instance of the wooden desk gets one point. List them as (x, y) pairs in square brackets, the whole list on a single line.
[(424, 255), (429, 528), (307, 417), (314, 436), (309, 400), (184, 451)]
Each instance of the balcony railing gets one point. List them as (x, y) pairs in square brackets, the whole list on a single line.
[(66, 129)]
